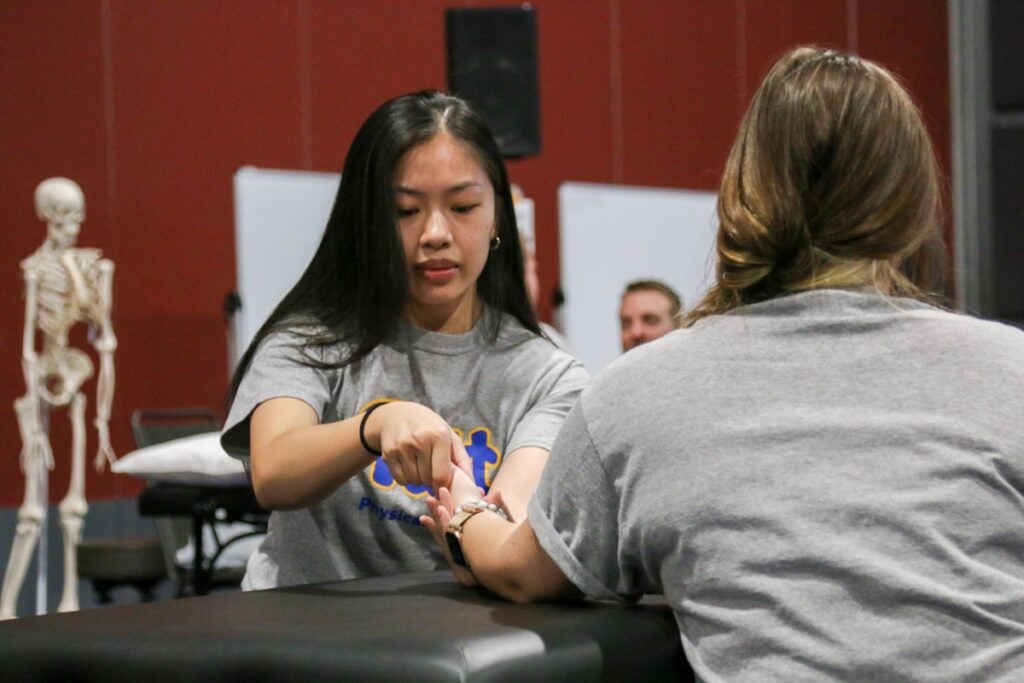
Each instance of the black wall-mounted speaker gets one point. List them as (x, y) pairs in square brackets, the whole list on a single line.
[(492, 63), (1007, 34)]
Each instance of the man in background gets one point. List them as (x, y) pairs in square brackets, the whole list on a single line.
[(649, 309)]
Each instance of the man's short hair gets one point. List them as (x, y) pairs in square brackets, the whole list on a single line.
[(675, 302)]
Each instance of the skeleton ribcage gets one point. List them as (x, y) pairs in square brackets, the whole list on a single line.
[(58, 304)]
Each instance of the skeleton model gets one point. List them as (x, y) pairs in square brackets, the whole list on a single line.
[(64, 285)]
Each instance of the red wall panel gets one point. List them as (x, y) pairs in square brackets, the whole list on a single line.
[(770, 27), (197, 94), (679, 62), (152, 107), (911, 39), (361, 54)]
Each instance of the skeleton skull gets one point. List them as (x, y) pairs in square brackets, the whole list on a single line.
[(61, 204)]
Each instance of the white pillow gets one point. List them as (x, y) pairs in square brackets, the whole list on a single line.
[(197, 460), (236, 554)]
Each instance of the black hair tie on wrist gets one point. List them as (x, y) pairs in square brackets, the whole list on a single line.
[(362, 428)]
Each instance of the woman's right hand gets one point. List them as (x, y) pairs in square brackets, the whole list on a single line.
[(441, 509), (417, 445)]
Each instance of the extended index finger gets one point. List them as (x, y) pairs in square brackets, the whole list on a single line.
[(441, 463)]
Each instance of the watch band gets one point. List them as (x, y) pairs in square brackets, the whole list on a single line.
[(453, 535), (479, 505)]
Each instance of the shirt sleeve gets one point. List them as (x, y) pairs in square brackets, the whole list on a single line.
[(276, 371), (575, 515), (555, 392)]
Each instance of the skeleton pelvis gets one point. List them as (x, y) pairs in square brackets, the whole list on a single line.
[(62, 372)]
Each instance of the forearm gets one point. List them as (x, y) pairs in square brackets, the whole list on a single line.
[(507, 558), (517, 479), (303, 465), (105, 387), (503, 555), (296, 461), (104, 402), (29, 363)]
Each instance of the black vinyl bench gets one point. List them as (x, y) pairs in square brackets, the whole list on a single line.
[(406, 627)]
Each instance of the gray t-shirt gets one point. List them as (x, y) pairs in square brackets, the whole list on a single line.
[(826, 486), (500, 395)]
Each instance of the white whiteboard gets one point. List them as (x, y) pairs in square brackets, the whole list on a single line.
[(279, 219), (612, 234)]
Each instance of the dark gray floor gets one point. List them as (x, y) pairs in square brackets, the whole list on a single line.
[(118, 518)]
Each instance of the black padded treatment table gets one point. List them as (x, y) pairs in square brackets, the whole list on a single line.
[(406, 627)]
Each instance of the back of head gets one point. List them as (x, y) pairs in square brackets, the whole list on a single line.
[(831, 182)]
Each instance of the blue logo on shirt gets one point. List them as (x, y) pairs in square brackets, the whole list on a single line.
[(486, 456)]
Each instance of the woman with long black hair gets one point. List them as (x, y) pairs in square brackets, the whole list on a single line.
[(407, 349)]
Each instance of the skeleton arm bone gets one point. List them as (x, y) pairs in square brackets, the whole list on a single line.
[(105, 346), (35, 447), (28, 339)]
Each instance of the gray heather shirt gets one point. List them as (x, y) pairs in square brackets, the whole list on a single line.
[(500, 396), (827, 486)]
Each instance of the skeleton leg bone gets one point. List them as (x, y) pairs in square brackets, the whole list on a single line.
[(74, 508), (30, 517)]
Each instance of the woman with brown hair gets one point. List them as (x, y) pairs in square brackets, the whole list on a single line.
[(823, 472)]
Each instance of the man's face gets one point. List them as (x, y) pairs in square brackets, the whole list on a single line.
[(644, 316)]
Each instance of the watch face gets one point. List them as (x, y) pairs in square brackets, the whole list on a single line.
[(455, 548)]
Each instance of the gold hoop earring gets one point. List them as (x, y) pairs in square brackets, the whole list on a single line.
[(495, 243)]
